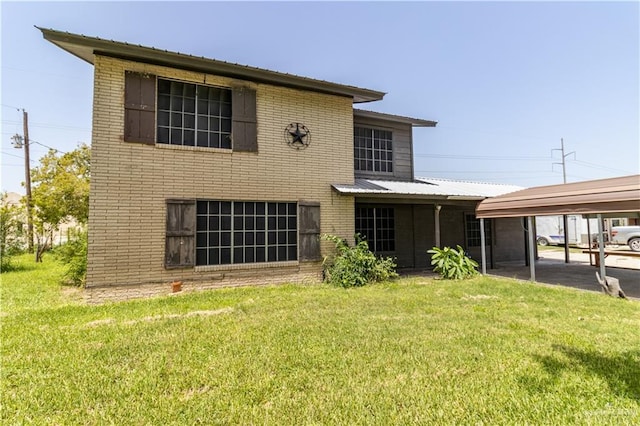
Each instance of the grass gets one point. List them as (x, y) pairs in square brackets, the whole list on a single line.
[(415, 351), (560, 248)]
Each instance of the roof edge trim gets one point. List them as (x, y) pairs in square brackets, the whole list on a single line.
[(84, 47)]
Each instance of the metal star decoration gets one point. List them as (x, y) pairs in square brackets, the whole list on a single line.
[(297, 135)]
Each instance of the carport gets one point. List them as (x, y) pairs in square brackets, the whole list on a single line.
[(614, 197)]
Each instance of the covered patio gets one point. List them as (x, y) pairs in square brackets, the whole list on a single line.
[(615, 197)]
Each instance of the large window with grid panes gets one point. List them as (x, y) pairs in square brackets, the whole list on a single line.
[(373, 150), (193, 114), (377, 226), (235, 232)]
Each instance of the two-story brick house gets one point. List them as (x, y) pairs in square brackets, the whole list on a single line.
[(218, 174)]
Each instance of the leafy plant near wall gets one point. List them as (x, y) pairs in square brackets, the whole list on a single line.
[(73, 254), (453, 264), (355, 266)]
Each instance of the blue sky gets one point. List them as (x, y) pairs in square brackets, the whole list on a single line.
[(505, 80)]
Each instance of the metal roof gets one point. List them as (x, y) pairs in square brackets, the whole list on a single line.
[(415, 122), (615, 195), (85, 47), (425, 188)]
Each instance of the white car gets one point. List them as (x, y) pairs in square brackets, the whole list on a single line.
[(626, 235)]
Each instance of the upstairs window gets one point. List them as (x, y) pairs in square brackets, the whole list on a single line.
[(193, 115), (169, 112), (373, 150)]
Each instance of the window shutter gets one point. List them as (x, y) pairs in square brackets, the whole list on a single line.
[(180, 234), (244, 126), (309, 221), (139, 107)]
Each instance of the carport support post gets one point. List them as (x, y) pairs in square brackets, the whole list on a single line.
[(437, 223), (483, 252), (603, 271), (532, 265)]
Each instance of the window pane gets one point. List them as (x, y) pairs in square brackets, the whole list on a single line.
[(163, 135), (201, 257), (225, 207), (176, 137), (249, 255), (260, 254), (203, 139), (164, 86), (189, 121), (189, 137), (214, 109), (225, 256), (238, 255), (214, 256)]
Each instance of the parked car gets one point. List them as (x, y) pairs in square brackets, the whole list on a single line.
[(546, 240), (629, 235)]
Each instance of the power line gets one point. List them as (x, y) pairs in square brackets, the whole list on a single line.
[(49, 126), (483, 157), (482, 171), (47, 146), (10, 106), (597, 166), (17, 156)]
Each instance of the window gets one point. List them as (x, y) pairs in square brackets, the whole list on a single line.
[(189, 114), (233, 232), (193, 115), (377, 226), (472, 230), (373, 150)]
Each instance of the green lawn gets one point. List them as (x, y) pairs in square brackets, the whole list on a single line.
[(416, 351)]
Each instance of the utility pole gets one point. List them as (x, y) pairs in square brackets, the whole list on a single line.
[(565, 220), (564, 156), (19, 142)]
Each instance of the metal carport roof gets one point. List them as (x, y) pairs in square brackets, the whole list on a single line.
[(614, 195)]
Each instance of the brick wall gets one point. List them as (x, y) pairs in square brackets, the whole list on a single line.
[(130, 183)]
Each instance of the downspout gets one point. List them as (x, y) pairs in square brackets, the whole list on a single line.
[(532, 266), (483, 252), (603, 270), (437, 223)]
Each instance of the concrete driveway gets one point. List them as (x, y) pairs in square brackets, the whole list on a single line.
[(552, 269)]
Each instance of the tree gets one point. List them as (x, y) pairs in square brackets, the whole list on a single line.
[(11, 235), (60, 192)]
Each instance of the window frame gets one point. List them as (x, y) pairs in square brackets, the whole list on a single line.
[(384, 238), (472, 234), (223, 117), (240, 233), (141, 119), (372, 159)]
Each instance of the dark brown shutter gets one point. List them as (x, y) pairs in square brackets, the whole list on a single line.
[(180, 235), (244, 126), (309, 221), (139, 107)]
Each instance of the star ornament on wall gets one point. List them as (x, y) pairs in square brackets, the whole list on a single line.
[(297, 135)]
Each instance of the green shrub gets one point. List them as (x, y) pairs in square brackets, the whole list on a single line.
[(74, 254), (356, 266), (453, 264), (6, 265)]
